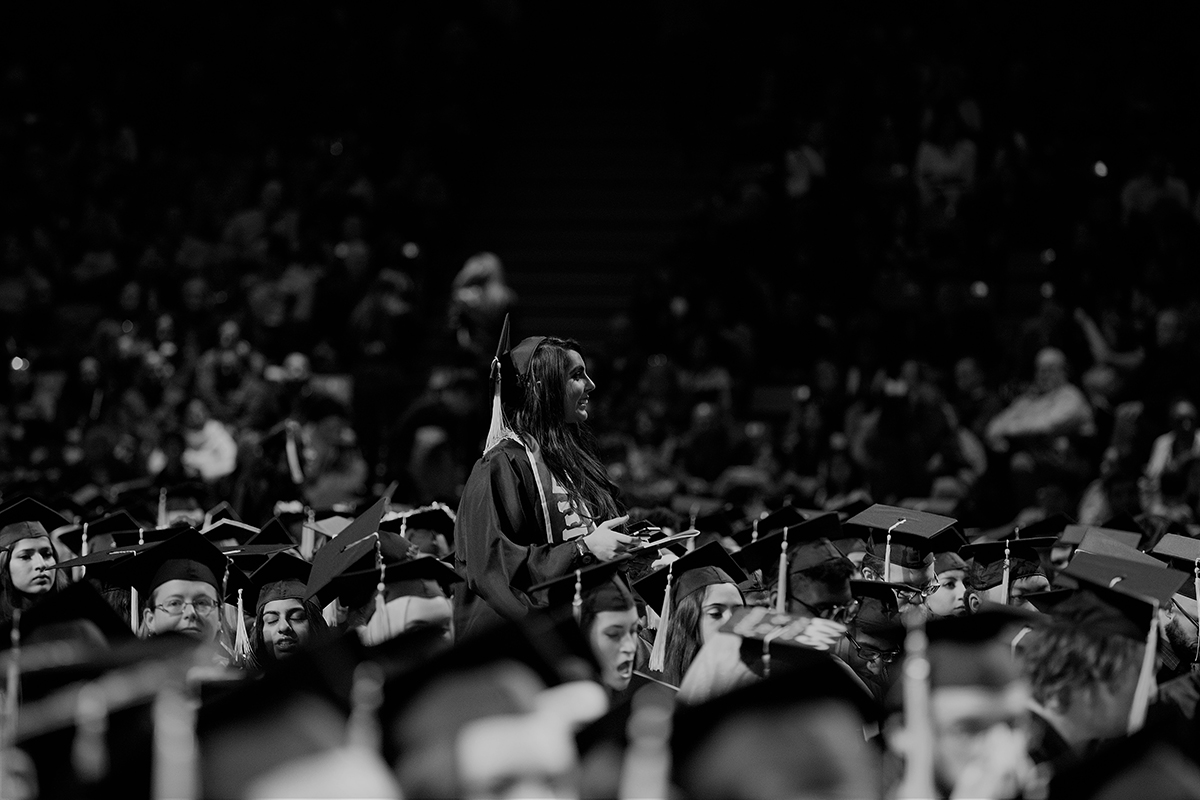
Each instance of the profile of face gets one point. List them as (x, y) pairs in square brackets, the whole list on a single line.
[(31, 565), (950, 598), (285, 627), (976, 725), (613, 637), (182, 606), (578, 386), (719, 602)]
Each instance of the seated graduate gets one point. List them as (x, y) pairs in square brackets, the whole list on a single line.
[(969, 736), (284, 621), (995, 578), (704, 591), (1091, 667), (875, 637), (27, 556), (600, 600), (381, 580)]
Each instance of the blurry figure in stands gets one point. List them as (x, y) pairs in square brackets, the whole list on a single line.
[(944, 170), (706, 447), (974, 403), (1044, 428), (225, 372), (479, 299), (211, 452), (1173, 460), (1155, 187), (334, 469)]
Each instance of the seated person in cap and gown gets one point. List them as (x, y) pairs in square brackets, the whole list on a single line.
[(910, 567), (27, 572), (284, 621), (704, 593), (977, 704), (416, 595), (950, 599), (875, 637), (817, 585), (539, 503)]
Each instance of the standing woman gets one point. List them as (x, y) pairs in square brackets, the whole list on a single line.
[(539, 503)]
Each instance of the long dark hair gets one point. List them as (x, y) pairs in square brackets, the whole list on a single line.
[(263, 656), (10, 597), (569, 450), (683, 637)]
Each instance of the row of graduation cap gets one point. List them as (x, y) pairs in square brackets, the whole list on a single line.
[(1107, 568)]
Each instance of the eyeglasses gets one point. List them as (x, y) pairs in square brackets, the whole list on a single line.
[(843, 614), (871, 654), (910, 594), (202, 605)]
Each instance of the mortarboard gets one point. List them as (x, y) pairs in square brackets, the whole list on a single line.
[(422, 576), (222, 510), (1182, 553), (282, 577), (28, 518), (1097, 542), (880, 592), (1119, 598), (704, 566), (794, 549), (772, 639), (750, 533), (850, 506), (908, 527), (1052, 525), (878, 614), (972, 651), (352, 545), (509, 375), (249, 557), (719, 521), (73, 537), (1155, 582), (228, 530), (1046, 602), (1018, 558), (185, 556), (274, 532), (77, 603), (99, 565), (128, 538), (603, 587)]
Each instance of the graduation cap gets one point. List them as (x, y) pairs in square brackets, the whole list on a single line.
[(1155, 582), (793, 549), (249, 557), (1052, 525), (430, 528), (1019, 558), (756, 529), (1046, 602), (351, 545), (970, 650), (664, 588), (73, 538), (772, 640), (510, 376), (186, 556), (28, 519), (851, 505), (229, 530), (130, 537), (603, 587), (274, 532), (719, 521), (879, 609), (1098, 542), (1119, 598), (222, 510), (1182, 552), (282, 577), (100, 563), (910, 528)]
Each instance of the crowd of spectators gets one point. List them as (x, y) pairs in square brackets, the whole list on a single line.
[(924, 273)]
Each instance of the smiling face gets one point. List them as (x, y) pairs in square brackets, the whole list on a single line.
[(613, 637), (31, 566), (284, 626), (577, 389), (720, 600)]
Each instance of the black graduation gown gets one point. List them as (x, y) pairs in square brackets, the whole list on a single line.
[(502, 547)]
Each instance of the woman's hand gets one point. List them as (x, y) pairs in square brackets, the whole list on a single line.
[(606, 542)]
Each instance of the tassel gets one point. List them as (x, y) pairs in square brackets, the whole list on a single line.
[(83, 551), (241, 641), (887, 558), (498, 426), (754, 531), (1197, 585), (658, 651), (1141, 694), (1007, 571), (330, 613), (163, 520), (134, 600), (89, 752), (781, 588), (229, 641), (577, 603), (293, 455), (308, 543), (380, 589)]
